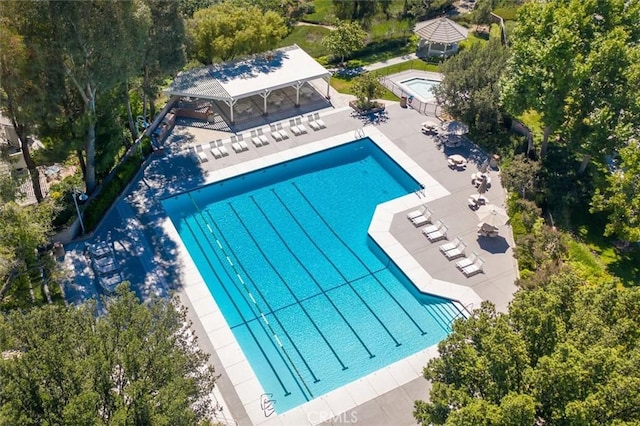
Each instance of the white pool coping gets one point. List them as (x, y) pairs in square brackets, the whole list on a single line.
[(349, 396), (415, 94)]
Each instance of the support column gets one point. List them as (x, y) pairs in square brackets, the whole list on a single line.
[(230, 103), (265, 94), (428, 50), (328, 80), (297, 86)]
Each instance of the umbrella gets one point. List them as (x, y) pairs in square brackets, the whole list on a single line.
[(455, 127), (492, 215)]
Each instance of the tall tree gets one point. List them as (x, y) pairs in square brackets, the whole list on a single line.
[(136, 364), (227, 30), (95, 44), (473, 96), (565, 353), (345, 39), (621, 197)]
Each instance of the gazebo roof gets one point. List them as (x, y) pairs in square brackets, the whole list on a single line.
[(441, 30), (246, 77)]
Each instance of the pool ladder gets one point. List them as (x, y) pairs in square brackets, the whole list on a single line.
[(422, 192)]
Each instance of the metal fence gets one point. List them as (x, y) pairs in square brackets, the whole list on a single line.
[(424, 108)]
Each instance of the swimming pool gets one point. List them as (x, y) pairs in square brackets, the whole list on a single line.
[(311, 299), (421, 88)]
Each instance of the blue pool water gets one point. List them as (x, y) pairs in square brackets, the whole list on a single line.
[(421, 87), (312, 300)]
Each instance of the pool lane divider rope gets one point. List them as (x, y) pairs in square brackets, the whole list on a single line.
[(266, 258), (422, 332), (271, 310), (371, 355), (284, 388)]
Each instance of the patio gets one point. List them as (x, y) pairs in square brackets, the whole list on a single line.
[(149, 259)]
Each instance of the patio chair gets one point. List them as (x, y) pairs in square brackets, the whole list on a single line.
[(467, 261), (474, 268), (262, 137), (316, 116), (294, 129), (255, 139), (275, 134), (440, 234), (283, 132), (450, 246), (456, 252), (432, 228), (202, 156), (215, 151), (223, 149), (315, 126), (300, 125), (423, 219), (418, 212)]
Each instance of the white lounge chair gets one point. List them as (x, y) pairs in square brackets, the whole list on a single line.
[(474, 268), (243, 145), (316, 116), (432, 228), (294, 128), (202, 156), (418, 212), (215, 151), (282, 132), (440, 234), (456, 252), (262, 137), (467, 261), (315, 126), (450, 246), (255, 139), (300, 125), (236, 147), (275, 134), (423, 219), (223, 149)]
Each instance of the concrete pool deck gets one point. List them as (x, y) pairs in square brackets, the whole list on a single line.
[(154, 262)]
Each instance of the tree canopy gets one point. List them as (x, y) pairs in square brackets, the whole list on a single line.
[(136, 364), (345, 39), (227, 30), (470, 89), (565, 353)]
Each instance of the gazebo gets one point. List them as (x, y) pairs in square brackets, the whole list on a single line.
[(439, 37), (232, 83)]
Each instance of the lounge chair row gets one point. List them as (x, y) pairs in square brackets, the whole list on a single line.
[(454, 249)]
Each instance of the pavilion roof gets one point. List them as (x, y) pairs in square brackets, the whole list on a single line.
[(441, 30)]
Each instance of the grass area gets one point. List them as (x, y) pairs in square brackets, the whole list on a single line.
[(586, 264), (343, 83), (382, 51), (308, 38), (323, 13)]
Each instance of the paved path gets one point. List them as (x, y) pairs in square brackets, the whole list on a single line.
[(391, 61)]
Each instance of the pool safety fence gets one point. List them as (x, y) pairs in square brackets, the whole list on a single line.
[(424, 108)]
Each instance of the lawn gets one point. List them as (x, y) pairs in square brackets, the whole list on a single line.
[(323, 13), (308, 37)]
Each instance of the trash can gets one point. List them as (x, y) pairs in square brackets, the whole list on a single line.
[(403, 102)]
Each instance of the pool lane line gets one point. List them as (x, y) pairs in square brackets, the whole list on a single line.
[(347, 281), (312, 277), (422, 332), (284, 388), (264, 299), (266, 258), (299, 380)]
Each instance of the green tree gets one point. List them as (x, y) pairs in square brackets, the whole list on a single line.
[(136, 364), (520, 175), (227, 30), (366, 87), (345, 39), (564, 354), (621, 197), (471, 95), (482, 12)]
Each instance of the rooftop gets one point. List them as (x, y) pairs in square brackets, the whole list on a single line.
[(243, 78), (441, 30)]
